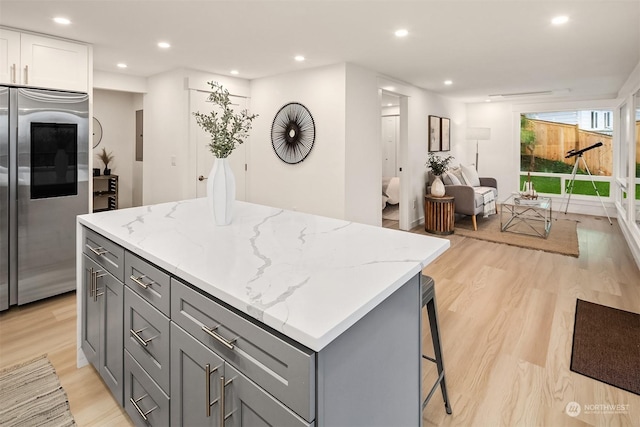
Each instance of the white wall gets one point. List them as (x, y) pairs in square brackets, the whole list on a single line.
[(499, 157), (165, 138), (168, 154), (316, 185), (116, 113), (136, 197), (363, 150), (422, 104)]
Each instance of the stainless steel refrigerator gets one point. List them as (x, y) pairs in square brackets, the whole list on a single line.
[(44, 149)]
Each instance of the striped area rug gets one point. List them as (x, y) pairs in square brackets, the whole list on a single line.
[(31, 395)]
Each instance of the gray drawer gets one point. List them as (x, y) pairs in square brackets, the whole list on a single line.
[(103, 251), (284, 370), (146, 332), (142, 396), (148, 281)]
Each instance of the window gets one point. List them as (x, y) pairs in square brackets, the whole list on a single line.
[(551, 143)]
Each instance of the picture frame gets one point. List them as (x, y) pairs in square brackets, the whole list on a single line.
[(434, 133), (445, 134)]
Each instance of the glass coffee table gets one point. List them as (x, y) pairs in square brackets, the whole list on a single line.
[(526, 216)]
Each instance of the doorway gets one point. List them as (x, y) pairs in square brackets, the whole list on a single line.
[(390, 143)]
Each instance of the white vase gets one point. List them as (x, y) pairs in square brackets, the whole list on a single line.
[(221, 191), (437, 187)]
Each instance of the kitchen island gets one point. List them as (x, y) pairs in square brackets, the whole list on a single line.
[(321, 314)]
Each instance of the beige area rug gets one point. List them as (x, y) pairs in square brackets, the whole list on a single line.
[(562, 239), (31, 395)]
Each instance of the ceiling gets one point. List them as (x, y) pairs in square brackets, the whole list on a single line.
[(485, 47)]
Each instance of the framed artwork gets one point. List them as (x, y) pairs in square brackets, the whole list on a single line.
[(445, 136), (434, 133)]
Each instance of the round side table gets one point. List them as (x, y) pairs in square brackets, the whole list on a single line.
[(439, 214)]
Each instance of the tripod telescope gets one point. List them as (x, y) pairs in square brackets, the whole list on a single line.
[(578, 154)]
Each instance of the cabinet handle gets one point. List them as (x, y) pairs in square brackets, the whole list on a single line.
[(223, 384), (92, 283), (202, 178), (13, 73), (98, 251), (95, 276), (138, 281), (26, 74), (140, 411), (207, 382), (222, 401), (139, 338), (222, 340)]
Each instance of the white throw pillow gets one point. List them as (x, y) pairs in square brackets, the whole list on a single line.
[(453, 179), (470, 175), (457, 172), (446, 178)]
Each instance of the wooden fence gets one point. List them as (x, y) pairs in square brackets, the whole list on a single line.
[(553, 140)]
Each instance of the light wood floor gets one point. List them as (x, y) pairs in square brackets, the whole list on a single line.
[(49, 327), (506, 317)]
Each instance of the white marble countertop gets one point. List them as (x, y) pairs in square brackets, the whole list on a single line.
[(307, 276)]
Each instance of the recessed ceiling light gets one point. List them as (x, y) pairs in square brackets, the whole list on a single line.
[(487, 100), (401, 33), (122, 65), (61, 20), (559, 20), (164, 45), (234, 72), (389, 105), (299, 58), (448, 82)]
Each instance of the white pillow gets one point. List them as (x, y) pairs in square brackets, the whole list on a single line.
[(451, 179), (470, 175), (457, 172), (446, 179)]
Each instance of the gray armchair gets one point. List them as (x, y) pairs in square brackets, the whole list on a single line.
[(467, 201)]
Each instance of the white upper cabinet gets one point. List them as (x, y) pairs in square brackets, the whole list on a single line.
[(9, 56), (33, 60)]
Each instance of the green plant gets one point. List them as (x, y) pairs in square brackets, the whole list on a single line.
[(105, 157), (227, 129), (437, 164)]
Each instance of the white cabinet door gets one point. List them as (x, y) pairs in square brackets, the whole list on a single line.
[(9, 56), (53, 63)]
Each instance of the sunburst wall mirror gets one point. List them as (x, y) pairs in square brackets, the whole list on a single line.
[(293, 133)]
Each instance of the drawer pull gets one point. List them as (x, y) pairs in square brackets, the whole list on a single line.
[(139, 282), (222, 340), (140, 411), (139, 338), (99, 250)]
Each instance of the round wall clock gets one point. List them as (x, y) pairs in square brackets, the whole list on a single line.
[(97, 132), (293, 133)]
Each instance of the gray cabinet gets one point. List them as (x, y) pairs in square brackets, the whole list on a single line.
[(102, 338), (195, 381), (144, 401), (147, 337), (203, 384), (286, 370)]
